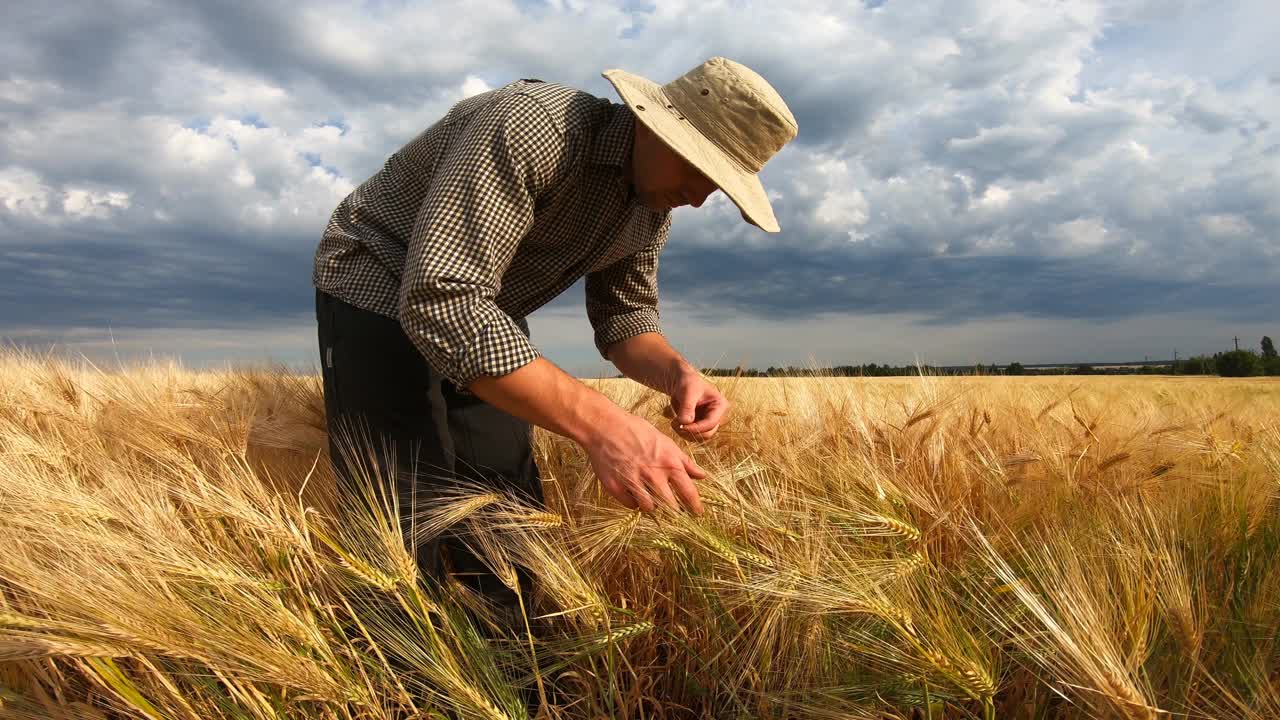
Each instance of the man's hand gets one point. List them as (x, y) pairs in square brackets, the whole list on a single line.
[(635, 463), (698, 406), (641, 467)]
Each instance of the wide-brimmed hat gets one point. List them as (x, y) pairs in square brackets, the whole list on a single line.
[(724, 119)]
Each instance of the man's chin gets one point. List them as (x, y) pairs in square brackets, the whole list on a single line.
[(657, 204)]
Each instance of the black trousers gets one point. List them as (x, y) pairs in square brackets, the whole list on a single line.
[(420, 433)]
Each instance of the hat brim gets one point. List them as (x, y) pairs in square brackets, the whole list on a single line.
[(650, 105)]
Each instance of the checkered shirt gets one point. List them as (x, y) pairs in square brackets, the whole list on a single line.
[(490, 213)]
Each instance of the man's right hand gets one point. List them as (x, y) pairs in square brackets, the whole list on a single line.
[(635, 462), (639, 466)]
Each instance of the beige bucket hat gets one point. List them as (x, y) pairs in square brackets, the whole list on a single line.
[(723, 118)]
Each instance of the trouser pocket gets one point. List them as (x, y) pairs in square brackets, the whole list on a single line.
[(326, 340)]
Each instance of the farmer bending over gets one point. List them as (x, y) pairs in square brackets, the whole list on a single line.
[(426, 272)]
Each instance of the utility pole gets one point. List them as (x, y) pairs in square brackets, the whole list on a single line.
[(1237, 343)]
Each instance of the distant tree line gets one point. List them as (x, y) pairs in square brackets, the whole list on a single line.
[(868, 370), (1235, 363), (886, 370)]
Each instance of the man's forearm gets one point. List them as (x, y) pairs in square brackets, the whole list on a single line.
[(648, 359), (543, 394)]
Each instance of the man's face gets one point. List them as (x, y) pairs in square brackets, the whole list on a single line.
[(662, 179)]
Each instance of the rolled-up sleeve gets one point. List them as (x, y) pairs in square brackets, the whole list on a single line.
[(478, 207), (622, 299)]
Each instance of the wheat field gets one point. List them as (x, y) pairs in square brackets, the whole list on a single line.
[(1037, 547)]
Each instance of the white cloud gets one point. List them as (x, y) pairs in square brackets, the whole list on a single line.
[(474, 86), (1078, 237), (993, 198), (23, 192), (87, 204), (842, 206)]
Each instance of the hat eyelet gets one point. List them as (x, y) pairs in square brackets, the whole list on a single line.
[(640, 107), (706, 91)]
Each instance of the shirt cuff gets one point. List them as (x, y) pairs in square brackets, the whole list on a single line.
[(617, 328), (501, 347)]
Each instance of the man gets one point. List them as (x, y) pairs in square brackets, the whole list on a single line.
[(426, 271)]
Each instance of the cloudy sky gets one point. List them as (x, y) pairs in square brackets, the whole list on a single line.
[(973, 181)]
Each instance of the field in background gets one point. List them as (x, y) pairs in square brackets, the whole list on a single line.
[(1040, 547)]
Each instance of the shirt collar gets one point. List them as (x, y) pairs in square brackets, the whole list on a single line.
[(614, 139), (612, 146)]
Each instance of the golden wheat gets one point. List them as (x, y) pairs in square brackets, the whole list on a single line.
[(960, 547)]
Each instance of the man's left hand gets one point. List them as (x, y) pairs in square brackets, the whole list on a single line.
[(698, 407)]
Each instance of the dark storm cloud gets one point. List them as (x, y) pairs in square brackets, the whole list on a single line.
[(792, 285), (83, 48), (269, 40), (192, 281), (120, 48), (829, 109)]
